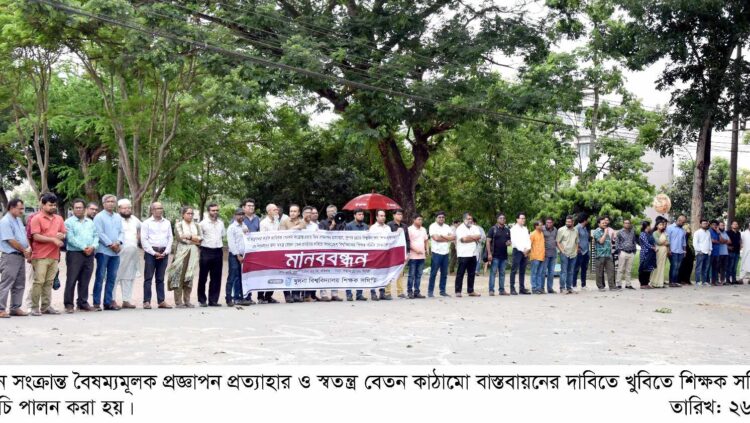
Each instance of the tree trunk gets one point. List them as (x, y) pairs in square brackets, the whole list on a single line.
[(702, 163), (120, 182), (732, 198), (591, 169), (3, 198), (402, 179)]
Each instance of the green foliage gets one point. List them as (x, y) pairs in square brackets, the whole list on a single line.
[(717, 191), (486, 169), (618, 199)]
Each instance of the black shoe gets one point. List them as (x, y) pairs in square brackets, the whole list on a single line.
[(288, 298), (203, 304), (361, 297), (445, 294), (230, 303), (349, 298), (297, 299), (213, 305), (418, 295), (525, 292), (552, 291), (272, 301), (410, 295), (386, 297), (374, 297), (629, 287)]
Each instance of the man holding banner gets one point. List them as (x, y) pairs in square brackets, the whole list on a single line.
[(358, 224), (317, 260), (380, 227)]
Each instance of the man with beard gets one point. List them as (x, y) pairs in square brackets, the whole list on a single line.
[(92, 209), (47, 232), (130, 261)]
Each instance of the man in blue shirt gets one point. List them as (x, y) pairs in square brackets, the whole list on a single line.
[(252, 223), (14, 246), (109, 229), (79, 259), (677, 248), (715, 249)]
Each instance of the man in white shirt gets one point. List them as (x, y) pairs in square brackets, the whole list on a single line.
[(271, 222), (702, 245), (468, 237), (236, 246), (521, 242), (156, 238), (130, 253), (441, 236), (380, 227), (212, 257)]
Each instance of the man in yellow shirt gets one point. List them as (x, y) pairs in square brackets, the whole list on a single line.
[(536, 255)]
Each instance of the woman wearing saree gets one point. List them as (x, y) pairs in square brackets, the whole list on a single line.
[(648, 255), (662, 250), (186, 259)]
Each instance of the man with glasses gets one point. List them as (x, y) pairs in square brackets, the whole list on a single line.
[(79, 258)]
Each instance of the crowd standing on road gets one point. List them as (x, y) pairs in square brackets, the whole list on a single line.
[(113, 245)]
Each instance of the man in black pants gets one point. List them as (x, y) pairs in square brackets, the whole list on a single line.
[(521, 242), (79, 258), (212, 257)]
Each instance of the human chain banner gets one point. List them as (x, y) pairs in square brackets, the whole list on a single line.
[(305, 260)]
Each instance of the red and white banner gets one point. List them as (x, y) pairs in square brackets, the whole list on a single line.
[(302, 260)]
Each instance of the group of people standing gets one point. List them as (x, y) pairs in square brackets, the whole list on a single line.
[(110, 245)]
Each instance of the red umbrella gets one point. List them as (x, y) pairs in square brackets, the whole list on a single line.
[(372, 201)]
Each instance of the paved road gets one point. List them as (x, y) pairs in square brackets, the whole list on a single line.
[(705, 326)]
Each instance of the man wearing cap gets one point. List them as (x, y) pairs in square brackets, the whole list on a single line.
[(130, 256)]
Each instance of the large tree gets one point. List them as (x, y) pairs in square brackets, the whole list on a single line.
[(697, 38), (435, 49)]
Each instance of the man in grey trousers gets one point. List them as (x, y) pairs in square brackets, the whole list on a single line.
[(15, 250)]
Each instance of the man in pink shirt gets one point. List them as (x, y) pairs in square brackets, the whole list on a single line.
[(47, 235), (418, 251)]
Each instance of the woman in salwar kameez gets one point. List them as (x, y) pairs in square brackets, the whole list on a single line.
[(184, 266), (662, 250)]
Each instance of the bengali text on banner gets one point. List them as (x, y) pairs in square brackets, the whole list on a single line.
[(304, 260)]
